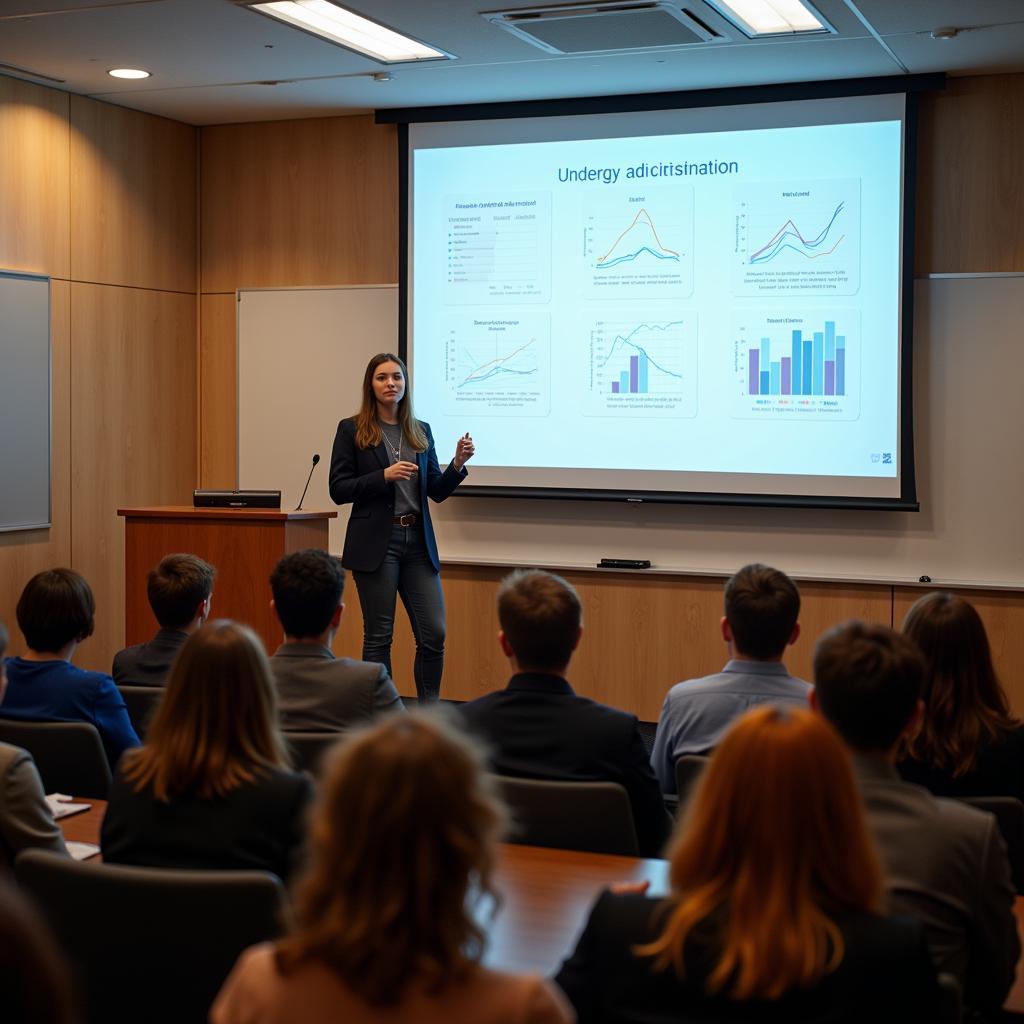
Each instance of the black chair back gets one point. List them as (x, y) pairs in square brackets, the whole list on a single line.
[(591, 816), (688, 770), (1009, 815), (150, 944), (309, 748), (142, 702), (69, 755)]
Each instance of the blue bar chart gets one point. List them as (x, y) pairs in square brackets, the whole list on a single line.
[(798, 366)]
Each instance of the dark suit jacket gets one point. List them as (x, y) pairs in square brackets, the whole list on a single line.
[(261, 825), (148, 664), (317, 692), (885, 974), (539, 729), (357, 476)]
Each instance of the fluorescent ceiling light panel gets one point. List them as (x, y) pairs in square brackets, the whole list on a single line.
[(771, 17), (353, 31)]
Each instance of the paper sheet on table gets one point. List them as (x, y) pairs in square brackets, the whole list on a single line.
[(82, 851), (60, 805)]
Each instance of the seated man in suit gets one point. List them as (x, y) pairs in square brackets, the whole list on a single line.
[(317, 692), (945, 861), (538, 728), (762, 606), (26, 821), (180, 589)]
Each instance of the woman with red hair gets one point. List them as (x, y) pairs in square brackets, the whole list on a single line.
[(775, 906)]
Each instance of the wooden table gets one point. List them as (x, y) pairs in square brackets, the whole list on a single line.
[(546, 896)]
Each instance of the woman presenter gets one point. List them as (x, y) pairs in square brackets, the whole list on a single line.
[(385, 464)]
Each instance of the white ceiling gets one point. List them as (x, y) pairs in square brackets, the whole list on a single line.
[(213, 62)]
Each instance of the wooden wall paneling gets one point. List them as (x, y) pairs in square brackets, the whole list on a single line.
[(1003, 615), (970, 161), (26, 552), (218, 391), (133, 198), (311, 202), (133, 431), (34, 178)]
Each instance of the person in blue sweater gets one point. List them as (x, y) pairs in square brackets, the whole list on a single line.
[(55, 614)]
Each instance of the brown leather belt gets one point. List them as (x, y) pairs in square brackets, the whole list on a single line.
[(409, 519)]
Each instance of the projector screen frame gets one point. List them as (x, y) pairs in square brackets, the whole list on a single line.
[(910, 86)]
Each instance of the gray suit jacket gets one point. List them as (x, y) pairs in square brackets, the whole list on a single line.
[(25, 819), (946, 866), (317, 692)]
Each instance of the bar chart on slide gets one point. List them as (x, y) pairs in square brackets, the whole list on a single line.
[(498, 366), (640, 245), (797, 367), (797, 237), (642, 368)]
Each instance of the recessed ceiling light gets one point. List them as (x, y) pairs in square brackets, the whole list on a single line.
[(771, 17), (343, 27), (128, 73)]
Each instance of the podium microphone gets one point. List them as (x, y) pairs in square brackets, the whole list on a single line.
[(316, 459)]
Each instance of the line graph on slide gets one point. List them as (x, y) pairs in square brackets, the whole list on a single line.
[(797, 238), (643, 369), (640, 245), (789, 237), (496, 365)]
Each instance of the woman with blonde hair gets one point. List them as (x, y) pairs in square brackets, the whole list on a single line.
[(775, 898), (211, 788), (402, 847), (968, 743)]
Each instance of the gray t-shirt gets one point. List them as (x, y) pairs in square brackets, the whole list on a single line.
[(407, 492)]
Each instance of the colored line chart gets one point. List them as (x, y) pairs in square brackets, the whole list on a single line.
[(641, 245), (498, 365), (646, 368), (797, 238)]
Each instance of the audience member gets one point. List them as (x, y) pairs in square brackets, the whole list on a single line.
[(403, 846), (35, 985), (539, 728), (945, 862), (211, 787), (774, 906), (968, 743), (25, 818), (317, 692), (762, 606), (55, 614), (179, 590)]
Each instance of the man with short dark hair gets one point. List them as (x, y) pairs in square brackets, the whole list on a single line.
[(945, 861), (316, 691), (762, 609), (180, 590), (539, 728)]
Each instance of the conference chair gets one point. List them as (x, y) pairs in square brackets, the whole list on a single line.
[(69, 755), (149, 944), (141, 702), (1009, 815), (308, 749), (592, 816), (688, 770)]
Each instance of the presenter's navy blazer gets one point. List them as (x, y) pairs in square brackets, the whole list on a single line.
[(357, 476)]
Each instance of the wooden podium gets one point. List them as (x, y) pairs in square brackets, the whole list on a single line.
[(243, 545)]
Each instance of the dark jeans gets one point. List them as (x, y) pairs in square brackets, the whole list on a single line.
[(407, 572)]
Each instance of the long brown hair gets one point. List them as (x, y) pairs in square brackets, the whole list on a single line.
[(775, 846), (368, 432), (216, 724), (964, 703), (405, 828)]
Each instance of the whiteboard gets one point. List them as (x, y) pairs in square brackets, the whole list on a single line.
[(24, 402), (301, 357), (969, 422)]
